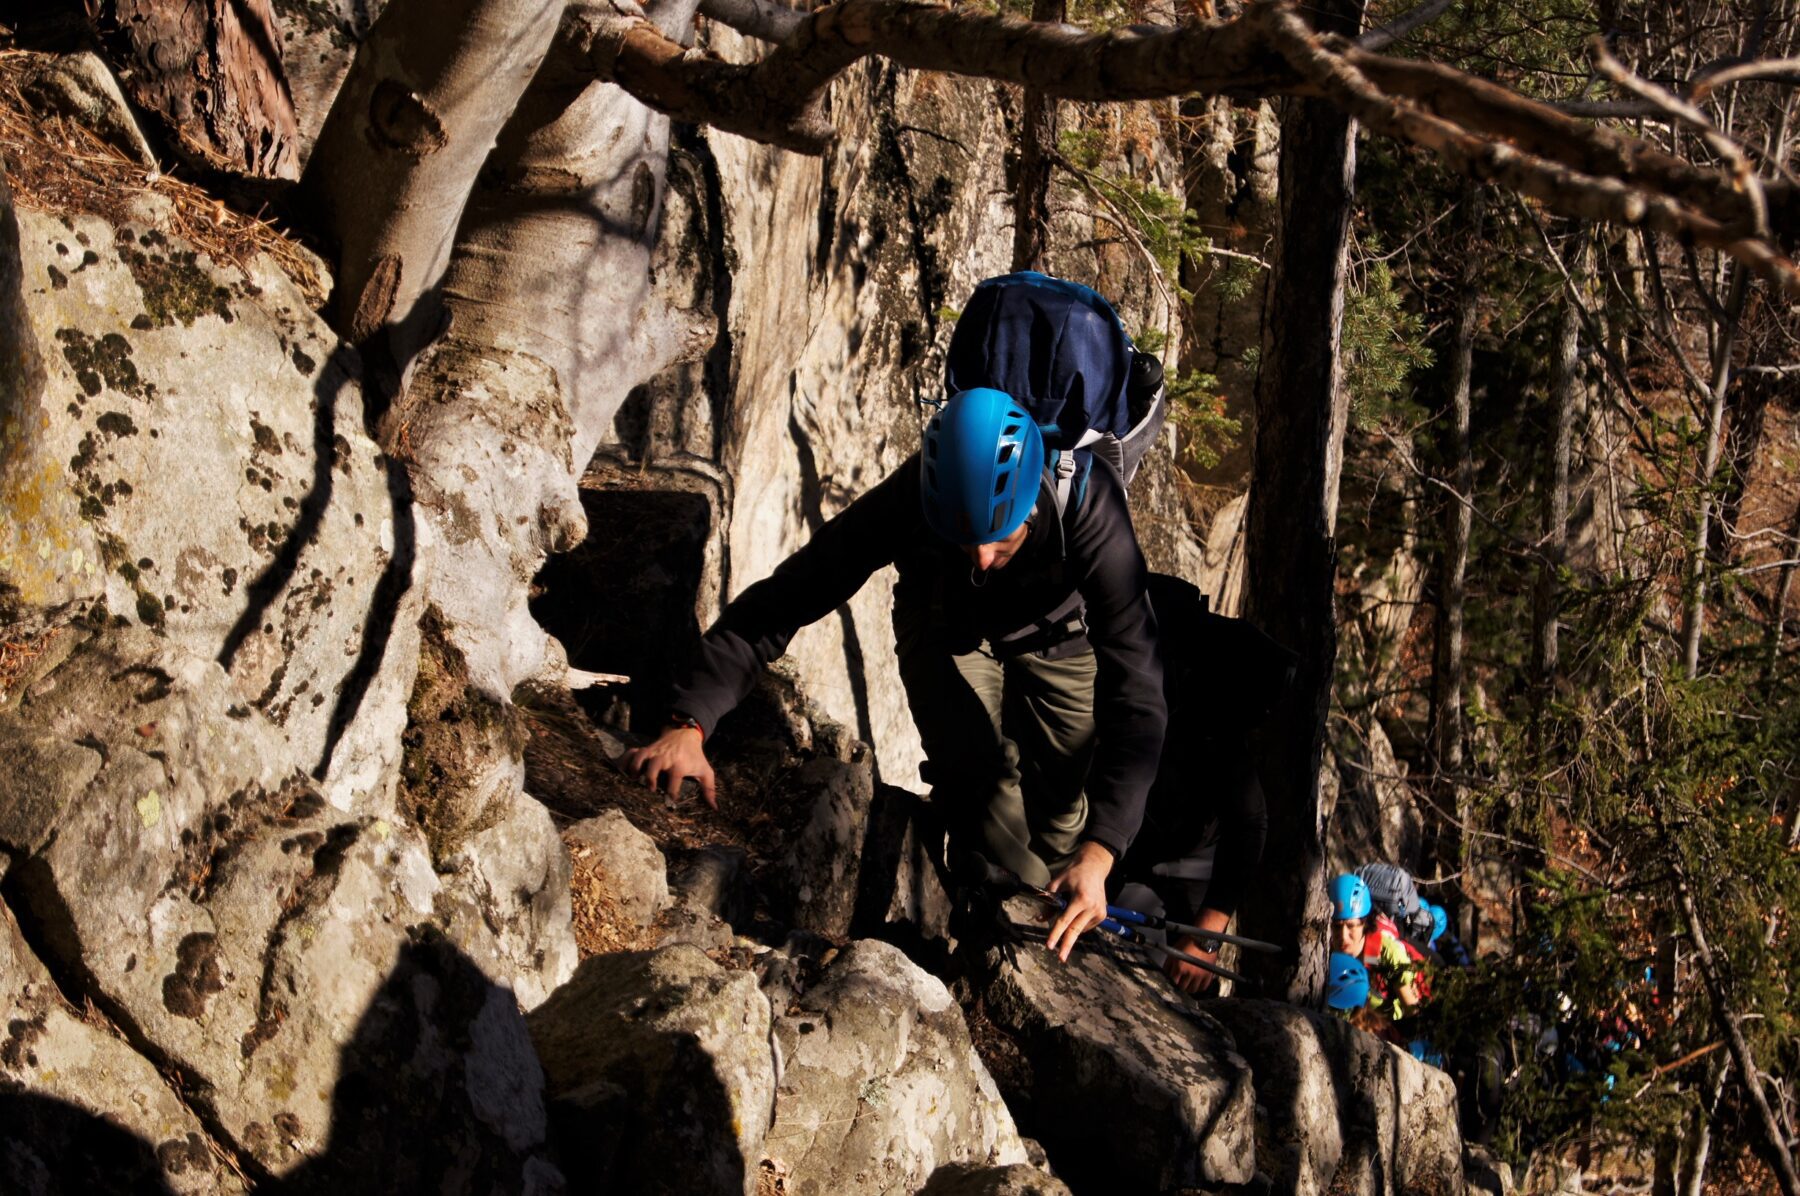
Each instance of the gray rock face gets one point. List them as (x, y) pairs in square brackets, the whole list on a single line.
[(713, 879), (1017, 1180), (1346, 1112), (661, 1073), (1133, 1089), (880, 1084), (634, 866), (60, 1075), (318, 39), (80, 86), (821, 868), (900, 884), (838, 282), (224, 581)]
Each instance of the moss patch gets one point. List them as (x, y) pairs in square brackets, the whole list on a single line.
[(175, 287), (453, 734)]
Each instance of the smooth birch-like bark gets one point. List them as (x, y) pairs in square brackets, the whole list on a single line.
[(1291, 553), (428, 92), (551, 318)]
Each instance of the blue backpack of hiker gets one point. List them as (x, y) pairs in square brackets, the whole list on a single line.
[(1060, 351)]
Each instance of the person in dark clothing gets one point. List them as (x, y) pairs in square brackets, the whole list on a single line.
[(1206, 819), (1026, 645)]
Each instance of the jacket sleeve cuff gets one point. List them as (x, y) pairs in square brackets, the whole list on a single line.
[(1107, 839)]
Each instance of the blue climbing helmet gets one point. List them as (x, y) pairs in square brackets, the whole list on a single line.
[(1346, 982), (1440, 922), (1350, 898), (980, 467)]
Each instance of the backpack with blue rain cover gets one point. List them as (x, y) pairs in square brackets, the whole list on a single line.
[(1060, 351)]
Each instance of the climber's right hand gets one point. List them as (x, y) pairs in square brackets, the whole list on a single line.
[(673, 757)]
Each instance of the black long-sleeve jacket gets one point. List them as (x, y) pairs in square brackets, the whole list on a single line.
[(1090, 561)]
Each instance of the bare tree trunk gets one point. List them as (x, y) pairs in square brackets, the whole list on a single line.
[(1694, 615), (397, 157), (1037, 148), (212, 72), (1775, 1149), (1698, 1143), (552, 318), (1547, 599), (1743, 443), (1447, 680), (1291, 563)]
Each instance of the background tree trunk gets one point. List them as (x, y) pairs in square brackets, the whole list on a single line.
[(1291, 559), (1547, 598), (1037, 148), (1447, 679), (1693, 621)]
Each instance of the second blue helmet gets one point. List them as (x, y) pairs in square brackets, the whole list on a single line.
[(980, 467), (1350, 897)]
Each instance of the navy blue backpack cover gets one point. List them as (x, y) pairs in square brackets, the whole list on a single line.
[(1060, 351)]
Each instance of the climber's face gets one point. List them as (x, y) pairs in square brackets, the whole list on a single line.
[(1347, 936), (997, 554)]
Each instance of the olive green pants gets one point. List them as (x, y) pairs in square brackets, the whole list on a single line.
[(1008, 743)]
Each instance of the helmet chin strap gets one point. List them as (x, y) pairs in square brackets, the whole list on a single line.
[(977, 576)]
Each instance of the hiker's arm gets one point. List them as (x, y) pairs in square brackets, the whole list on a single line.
[(1190, 979), (1129, 714), (754, 630)]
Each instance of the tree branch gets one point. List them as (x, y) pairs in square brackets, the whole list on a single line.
[(1401, 26), (1476, 127), (1561, 189), (764, 19)]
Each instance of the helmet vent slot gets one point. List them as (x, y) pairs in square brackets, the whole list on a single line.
[(1000, 513), (1010, 430), (999, 485), (1006, 452)]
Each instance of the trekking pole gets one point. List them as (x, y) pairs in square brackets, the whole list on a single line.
[(1137, 940), (1121, 931), (1218, 936)]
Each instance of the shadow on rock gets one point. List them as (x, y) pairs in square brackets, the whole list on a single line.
[(49, 1146), (438, 1091)]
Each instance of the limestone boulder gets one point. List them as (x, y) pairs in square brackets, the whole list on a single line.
[(902, 895), (713, 879), (1019, 1179), (220, 580), (635, 871), (1345, 1111), (66, 1081), (817, 883), (661, 1073), (1133, 1087), (880, 1084)]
